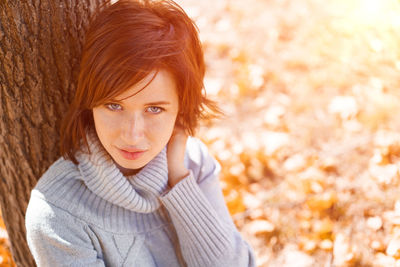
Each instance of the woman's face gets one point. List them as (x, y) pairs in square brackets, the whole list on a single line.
[(136, 126)]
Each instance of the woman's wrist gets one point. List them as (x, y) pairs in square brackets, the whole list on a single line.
[(175, 177)]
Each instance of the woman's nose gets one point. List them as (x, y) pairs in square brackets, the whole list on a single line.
[(133, 130)]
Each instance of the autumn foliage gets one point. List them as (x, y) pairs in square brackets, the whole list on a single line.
[(5, 255), (310, 141)]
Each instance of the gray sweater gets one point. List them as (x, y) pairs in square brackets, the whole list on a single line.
[(91, 215)]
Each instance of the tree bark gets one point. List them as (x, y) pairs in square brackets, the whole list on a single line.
[(40, 46)]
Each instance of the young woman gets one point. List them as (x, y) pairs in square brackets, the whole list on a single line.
[(132, 189)]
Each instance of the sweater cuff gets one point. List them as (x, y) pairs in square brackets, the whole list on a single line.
[(200, 228)]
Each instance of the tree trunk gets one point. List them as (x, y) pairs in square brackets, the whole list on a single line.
[(40, 45)]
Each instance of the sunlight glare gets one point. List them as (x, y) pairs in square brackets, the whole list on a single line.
[(382, 12), (372, 7)]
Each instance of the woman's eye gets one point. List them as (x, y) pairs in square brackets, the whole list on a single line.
[(113, 106), (154, 110)]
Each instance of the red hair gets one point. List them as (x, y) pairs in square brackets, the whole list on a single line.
[(125, 42)]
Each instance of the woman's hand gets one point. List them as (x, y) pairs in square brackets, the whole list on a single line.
[(175, 155)]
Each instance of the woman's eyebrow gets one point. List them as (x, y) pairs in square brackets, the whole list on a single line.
[(116, 101), (158, 103)]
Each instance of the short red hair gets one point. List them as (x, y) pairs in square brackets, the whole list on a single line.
[(124, 43)]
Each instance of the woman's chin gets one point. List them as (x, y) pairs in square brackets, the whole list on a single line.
[(129, 166), (129, 169)]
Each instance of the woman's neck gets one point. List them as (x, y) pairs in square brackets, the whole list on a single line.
[(127, 172)]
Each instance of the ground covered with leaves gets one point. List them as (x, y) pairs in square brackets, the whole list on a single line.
[(5, 255), (310, 141)]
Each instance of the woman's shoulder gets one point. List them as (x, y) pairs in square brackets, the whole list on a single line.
[(199, 160), (61, 165), (61, 169), (196, 150), (44, 204), (55, 183), (60, 193)]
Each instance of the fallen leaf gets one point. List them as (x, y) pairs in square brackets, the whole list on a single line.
[(259, 227)]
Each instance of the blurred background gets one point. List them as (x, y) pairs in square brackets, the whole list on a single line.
[(310, 141)]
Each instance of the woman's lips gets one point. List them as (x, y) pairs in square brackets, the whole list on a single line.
[(131, 155)]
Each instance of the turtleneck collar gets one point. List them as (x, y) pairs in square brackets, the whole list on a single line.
[(137, 193)]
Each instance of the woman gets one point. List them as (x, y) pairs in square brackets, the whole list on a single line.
[(132, 189)]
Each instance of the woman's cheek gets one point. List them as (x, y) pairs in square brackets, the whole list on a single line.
[(163, 125), (108, 121)]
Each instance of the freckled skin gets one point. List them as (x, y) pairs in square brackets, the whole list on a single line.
[(131, 122)]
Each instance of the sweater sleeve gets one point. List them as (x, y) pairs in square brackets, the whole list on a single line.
[(56, 238), (206, 232)]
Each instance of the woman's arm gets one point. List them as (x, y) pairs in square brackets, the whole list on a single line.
[(206, 233), (56, 238)]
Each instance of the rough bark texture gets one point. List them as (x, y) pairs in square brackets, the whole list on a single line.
[(40, 45)]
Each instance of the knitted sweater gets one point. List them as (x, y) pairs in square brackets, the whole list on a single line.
[(90, 214)]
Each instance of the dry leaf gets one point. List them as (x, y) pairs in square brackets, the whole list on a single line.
[(393, 248), (378, 245), (382, 260), (260, 227), (375, 223), (326, 244), (342, 252), (295, 163), (323, 228), (345, 106), (384, 174), (322, 202), (291, 256)]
